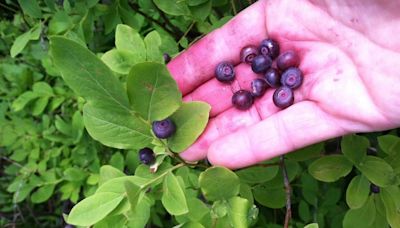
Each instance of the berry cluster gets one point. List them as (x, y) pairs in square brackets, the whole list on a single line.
[(162, 129), (283, 74)]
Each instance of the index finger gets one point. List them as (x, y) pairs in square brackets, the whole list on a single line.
[(196, 65)]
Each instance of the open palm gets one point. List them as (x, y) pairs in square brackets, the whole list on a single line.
[(349, 56)]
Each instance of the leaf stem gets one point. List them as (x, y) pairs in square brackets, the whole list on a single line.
[(233, 7), (288, 191), (187, 31), (8, 7)]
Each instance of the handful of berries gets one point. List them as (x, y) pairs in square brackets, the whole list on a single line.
[(284, 75)]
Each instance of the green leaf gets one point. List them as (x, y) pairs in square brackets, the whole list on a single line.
[(22, 40), (74, 174), (172, 7), (391, 201), (111, 221), (190, 119), (107, 114), (272, 197), (107, 172), (94, 208), (237, 211), (133, 191), (128, 39), (195, 2), (201, 12), (312, 225), (330, 168), (117, 185), (117, 160), (361, 217), (87, 75), (389, 144), (152, 91), (139, 217), (31, 8), (357, 192), (219, 183), (193, 225), (119, 61), (354, 147), (23, 100), (153, 43), (116, 128), (378, 171), (173, 197), (245, 192), (59, 23), (43, 193), (306, 153), (257, 174), (42, 89), (304, 211), (197, 211), (39, 105)]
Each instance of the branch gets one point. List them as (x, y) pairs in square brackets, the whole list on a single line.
[(135, 8), (288, 191), (175, 29)]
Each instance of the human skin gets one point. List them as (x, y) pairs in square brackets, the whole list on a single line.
[(350, 54)]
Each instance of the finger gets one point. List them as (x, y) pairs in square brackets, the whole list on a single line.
[(196, 65), (219, 95), (224, 124), (295, 127)]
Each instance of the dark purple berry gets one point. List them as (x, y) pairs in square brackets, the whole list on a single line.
[(283, 97), (374, 188), (273, 78), (167, 58), (258, 87), (164, 128), (261, 63), (248, 53), (288, 59), (224, 72), (292, 78), (269, 47), (242, 100), (146, 156)]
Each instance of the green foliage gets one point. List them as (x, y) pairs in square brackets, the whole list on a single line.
[(80, 83)]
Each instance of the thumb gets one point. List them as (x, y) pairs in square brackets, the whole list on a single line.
[(298, 126)]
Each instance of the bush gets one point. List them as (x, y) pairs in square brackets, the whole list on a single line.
[(71, 66)]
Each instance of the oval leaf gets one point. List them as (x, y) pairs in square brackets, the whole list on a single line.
[(219, 183), (257, 174), (129, 40), (107, 114), (330, 168), (107, 172), (391, 201), (172, 7), (390, 144), (190, 120), (378, 171), (173, 197), (94, 208), (361, 217), (354, 147), (152, 91), (357, 192)]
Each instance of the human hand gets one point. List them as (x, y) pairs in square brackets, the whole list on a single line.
[(349, 56)]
